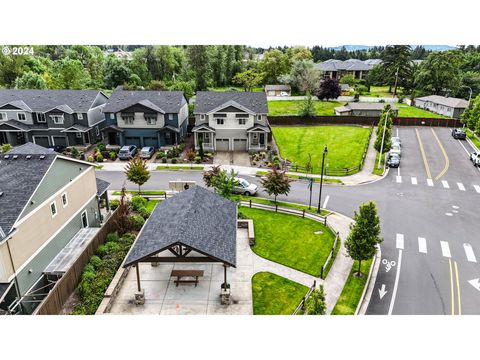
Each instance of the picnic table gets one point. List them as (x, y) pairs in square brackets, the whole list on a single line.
[(179, 274)]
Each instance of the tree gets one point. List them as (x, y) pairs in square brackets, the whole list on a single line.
[(471, 116), (349, 79), (329, 89), (298, 53), (307, 107), (30, 80), (439, 72), (388, 131), (364, 234), (316, 304), (303, 76), (274, 64), (248, 79), (397, 65), (137, 171), (276, 183), (69, 74), (199, 60), (116, 72), (222, 181)]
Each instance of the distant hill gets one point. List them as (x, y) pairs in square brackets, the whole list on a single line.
[(366, 47)]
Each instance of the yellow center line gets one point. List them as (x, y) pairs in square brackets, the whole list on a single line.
[(451, 287), (447, 160), (458, 290), (423, 154)]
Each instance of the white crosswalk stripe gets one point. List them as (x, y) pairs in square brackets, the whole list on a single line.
[(445, 184), (399, 179), (400, 242), (445, 249), (429, 182), (469, 252), (477, 188), (414, 180), (422, 245), (460, 186)]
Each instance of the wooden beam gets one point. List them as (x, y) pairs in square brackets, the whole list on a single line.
[(171, 259), (137, 266)]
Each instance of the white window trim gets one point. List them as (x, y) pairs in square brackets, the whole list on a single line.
[(170, 116), (56, 209), (79, 116), (41, 118), (56, 117), (202, 116), (112, 116), (97, 131), (242, 119), (21, 113), (86, 216), (66, 199), (78, 135), (222, 121), (4, 116)]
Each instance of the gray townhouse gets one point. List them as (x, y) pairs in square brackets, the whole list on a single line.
[(447, 106), (231, 121), (336, 69), (51, 117), (146, 118)]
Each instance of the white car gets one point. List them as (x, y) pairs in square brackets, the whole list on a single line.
[(283, 93), (245, 188), (395, 149), (396, 141), (475, 158)]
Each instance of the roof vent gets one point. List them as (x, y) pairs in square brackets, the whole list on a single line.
[(42, 157), (6, 157), (28, 157), (1, 193), (15, 157)]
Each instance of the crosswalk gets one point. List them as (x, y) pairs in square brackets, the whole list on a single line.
[(442, 184), (424, 245)]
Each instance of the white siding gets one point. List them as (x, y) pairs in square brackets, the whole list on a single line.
[(140, 122), (183, 114), (95, 115)]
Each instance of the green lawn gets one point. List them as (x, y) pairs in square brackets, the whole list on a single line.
[(151, 204), (377, 171), (352, 291), (472, 137), (180, 168), (290, 240), (281, 204), (296, 177), (381, 91), (142, 192), (290, 107), (233, 88), (275, 295), (345, 145), (406, 111)]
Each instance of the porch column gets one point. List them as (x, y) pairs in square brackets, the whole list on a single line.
[(140, 294), (137, 268)]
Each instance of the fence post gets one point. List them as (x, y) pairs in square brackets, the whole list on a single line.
[(325, 221), (321, 273), (276, 207), (303, 213), (250, 201)]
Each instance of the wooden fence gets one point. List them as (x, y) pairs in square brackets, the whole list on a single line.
[(301, 306), (61, 291)]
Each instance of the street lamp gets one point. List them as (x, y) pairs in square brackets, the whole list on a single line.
[(325, 151), (383, 138)]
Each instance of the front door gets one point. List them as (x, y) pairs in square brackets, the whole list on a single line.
[(87, 138), (84, 219), (262, 138), (112, 138)]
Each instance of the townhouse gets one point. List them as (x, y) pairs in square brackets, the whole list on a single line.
[(51, 117), (447, 106), (146, 118), (231, 121)]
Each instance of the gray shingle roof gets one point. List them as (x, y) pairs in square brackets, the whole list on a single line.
[(44, 100), (278, 88), (18, 180), (17, 125), (76, 128), (446, 101), (102, 186), (347, 65), (196, 218), (168, 101), (206, 101)]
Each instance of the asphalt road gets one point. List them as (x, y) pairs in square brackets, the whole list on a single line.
[(430, 227)]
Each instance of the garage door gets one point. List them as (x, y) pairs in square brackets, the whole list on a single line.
[(240, 144), (132, 141), (60, 140), (41, 140), (150, 141), (222, 145)]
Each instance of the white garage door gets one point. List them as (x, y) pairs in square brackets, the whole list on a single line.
[(240, 144), (222, 145)]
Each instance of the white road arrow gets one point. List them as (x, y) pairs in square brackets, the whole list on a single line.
[(382, 291), (475, 283)]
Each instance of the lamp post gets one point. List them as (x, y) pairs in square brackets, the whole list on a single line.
[(325, 151), (383, 138)]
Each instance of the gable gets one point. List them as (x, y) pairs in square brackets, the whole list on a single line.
[(9, 107), (137, 108), (231, 109)]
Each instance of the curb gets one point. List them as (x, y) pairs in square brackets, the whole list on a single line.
[(368, 289)]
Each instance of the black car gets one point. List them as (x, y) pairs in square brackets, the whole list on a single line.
[(459, 134), (393, 161), (57, 148)]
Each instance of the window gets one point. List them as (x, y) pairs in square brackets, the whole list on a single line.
[(259, 117), (80, 116), (128, 118), (41, 118), (202, 116), (78, 135), (170, 116), (97, 131), (3, 116), (151, 119), (112, 116), (21, 116), (57, 119), (207, 137), (242, 121), (64, 199), (53, 209), (220, 121)]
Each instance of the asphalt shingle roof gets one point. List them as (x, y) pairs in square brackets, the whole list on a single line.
[(208, 100), (347, 65), (44, 100), (168, 101), (102, 186), (19, 177), (197, 218), (277, 87), (446, 101)]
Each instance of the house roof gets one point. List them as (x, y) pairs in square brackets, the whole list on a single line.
[(203, 127), (102, 186), (347, 65), (160, 101), (45, 100), (76, 128), (364, 106), (446, 101), (258, 127), (196, 218), (278, 88), (207, 101), (17, 125), (19, 177)]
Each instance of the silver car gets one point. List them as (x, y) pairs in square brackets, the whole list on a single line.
[(245, 188), (147, 152), (396, 141), (395, 149)]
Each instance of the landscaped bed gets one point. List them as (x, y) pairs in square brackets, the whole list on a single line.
[(291, 107), (180, 168), (346, 145), (275, 295), (300, 243)]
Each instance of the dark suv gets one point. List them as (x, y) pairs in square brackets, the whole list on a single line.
[(459, 134)]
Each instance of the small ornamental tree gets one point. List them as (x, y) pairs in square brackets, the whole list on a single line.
[(316, 304), (137, 171), (307, 107), (276, 183), (222, 181), (364, 234), (329, 89), (388, 131)]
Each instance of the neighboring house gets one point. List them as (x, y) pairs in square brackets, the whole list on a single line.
[(447, 106), (345, 88), (146, 118), (363, 109), (231, 121), (47, 202), (278, 90), (336, 69), (51, 117)]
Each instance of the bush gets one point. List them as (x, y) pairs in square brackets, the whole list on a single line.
[(361, 89), (99, 157), (75, 154), (197, 159), (136, 222), (138, 202), (114, 204), (6, 147), (96, 262), (190, 155), (174, 160), (160, 155), (101, 146), (90, 159), (254, 163), (164, 160), (112, 155), (381, 101), (181, 147), (112, 237), (143, 212)]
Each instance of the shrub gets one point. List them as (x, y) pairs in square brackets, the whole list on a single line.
[(160, 154), (75, 154), (114, 204), (381, 101), (197, 159), (254, 163), (101, 146), (181, 147), (401, 99), (136, 222), (174, 160), (190, 155), (96, 262), (112, 155), (164, 160), (99, 157), (269, 164), (112, 237), (361, 89), (90, 159), (6, 147), (143, 212), (138, 202)]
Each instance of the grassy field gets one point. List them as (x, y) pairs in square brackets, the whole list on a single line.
[(472, 137), (405, 110), (291, 107), (275, 295), (290, 240), (317, 180), (382, 163), (284, 204), (345, 145), (233, 88), (151, 204), (180, 168), (352, 291), (381, 91)]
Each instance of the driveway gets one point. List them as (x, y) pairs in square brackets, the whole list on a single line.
[(239, 158)]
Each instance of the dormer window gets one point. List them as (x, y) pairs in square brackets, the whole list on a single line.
[(80, 116), (57, 119), (128, 118), (202, 117)]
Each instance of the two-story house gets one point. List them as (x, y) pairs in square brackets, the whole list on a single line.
[(447, 106), (51, 117), (47, 202), (231, 121), (146, 118)]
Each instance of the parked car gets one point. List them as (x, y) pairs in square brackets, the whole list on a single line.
[(459, 134), (57, 148), (245, 188), (147, 152), (393, 161), (475, 158), (283, 93), (127, 152), (395, 140), (395, 149)]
